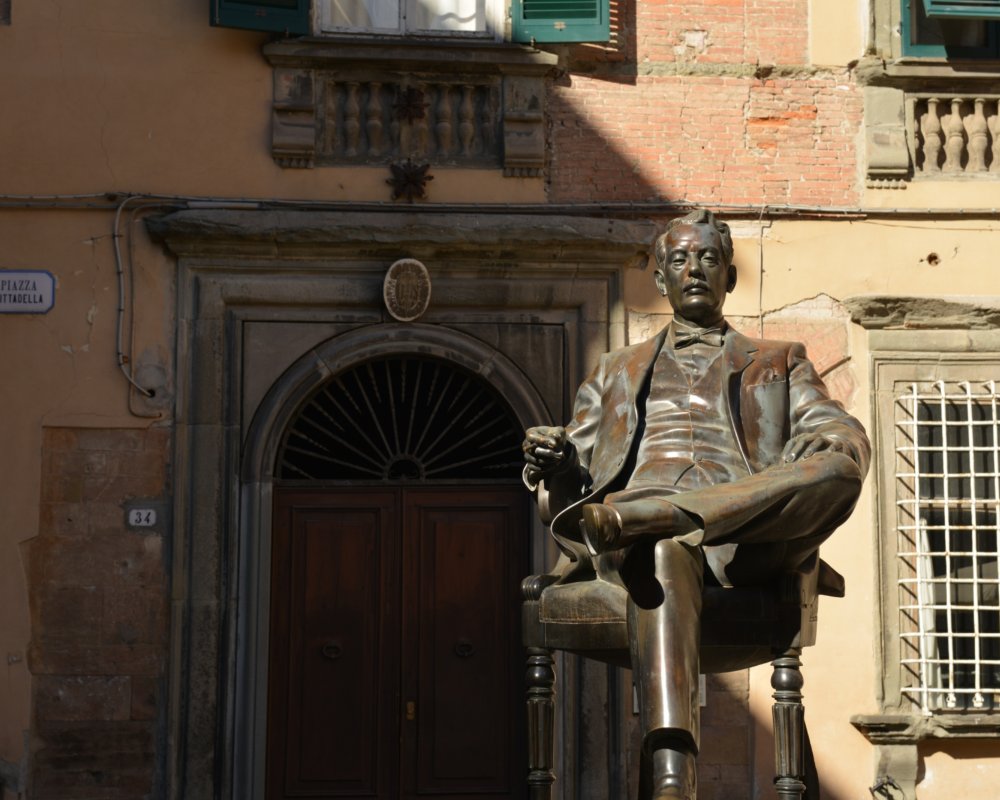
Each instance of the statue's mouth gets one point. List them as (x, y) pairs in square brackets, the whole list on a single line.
[(696, 288)]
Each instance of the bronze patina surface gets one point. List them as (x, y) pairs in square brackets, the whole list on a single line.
[(698, 456)]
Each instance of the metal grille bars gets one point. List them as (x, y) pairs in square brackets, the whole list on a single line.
[(948, 506)]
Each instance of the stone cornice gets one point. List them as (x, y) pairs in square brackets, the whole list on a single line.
[(928, 74), (459, 236), (924, 313)]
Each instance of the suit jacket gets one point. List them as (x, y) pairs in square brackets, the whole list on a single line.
[(772, 393)]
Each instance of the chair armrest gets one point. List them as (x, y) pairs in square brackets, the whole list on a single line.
[(829, 581), (533, 586)]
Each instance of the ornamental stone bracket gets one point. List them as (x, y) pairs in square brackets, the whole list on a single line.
[(885, 137), (341, 103)]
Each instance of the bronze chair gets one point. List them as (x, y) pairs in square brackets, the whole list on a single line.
[(740, 628)]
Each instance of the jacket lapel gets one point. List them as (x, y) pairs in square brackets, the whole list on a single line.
[(739, 351), (642, 362)]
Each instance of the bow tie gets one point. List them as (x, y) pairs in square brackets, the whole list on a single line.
[(712, 336)]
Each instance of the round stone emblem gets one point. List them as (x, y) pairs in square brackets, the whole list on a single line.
[(407, 289)]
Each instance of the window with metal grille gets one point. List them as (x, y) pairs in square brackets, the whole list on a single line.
[(947, 477)]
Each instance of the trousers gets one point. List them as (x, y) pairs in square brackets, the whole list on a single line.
[(748, 532)]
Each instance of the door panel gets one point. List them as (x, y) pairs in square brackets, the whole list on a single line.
[(395, 665), (462, 574), (334, 610)]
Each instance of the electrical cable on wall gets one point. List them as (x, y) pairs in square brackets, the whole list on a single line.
[(125, 361), (760, 272), (138, 203)]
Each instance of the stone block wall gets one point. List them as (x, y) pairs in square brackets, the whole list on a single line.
[(98, 594)]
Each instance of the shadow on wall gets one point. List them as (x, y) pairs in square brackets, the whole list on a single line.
[(731, 735)]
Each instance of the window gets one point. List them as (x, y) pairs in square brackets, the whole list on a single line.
[(937, 421), (947, 485), (955, 29), (530, 20), (429, 17)]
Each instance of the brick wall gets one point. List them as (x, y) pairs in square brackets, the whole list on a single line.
[(722, 31), (98, 593), (714, 102)]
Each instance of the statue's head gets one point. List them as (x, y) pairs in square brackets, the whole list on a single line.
[(694, 268)]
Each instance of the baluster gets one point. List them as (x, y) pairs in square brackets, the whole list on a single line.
[(330, 120), (976, 128), (420, 126), (930, 129), (955, 137), (373, 122), (352, 125), (487, 120), (994, 126), (443, 125), (466, 128), (399, 135)]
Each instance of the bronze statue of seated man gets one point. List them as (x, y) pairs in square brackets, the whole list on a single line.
[(698, 455)]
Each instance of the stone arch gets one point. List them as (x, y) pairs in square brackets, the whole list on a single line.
[(247, 711), (340, 353)]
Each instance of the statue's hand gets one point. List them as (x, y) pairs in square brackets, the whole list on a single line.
[(801, 447), (546, 450)]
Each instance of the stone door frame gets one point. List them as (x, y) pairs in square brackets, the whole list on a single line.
[(316, 277)]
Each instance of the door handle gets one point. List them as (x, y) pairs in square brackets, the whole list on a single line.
[(411, 710), (332, 650)]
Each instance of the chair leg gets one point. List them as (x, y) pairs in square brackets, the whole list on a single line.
[(541, 679), (788, 714)]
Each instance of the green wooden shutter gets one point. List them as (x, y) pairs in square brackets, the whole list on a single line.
[(280, 16), (969, 9), (560, 20)]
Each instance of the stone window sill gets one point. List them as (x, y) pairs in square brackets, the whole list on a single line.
[(912, 728), (928, 74)]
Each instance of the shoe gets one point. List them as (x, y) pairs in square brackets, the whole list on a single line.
[(602, 528), (674, 775)]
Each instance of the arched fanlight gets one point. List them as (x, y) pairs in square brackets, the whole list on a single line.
[(402, 418)]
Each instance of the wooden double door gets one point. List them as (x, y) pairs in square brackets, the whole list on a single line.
[(395, 659)]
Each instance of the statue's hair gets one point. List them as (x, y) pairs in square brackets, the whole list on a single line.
[(700, 216)]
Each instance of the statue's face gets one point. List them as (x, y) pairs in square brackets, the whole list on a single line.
[(695, 276)]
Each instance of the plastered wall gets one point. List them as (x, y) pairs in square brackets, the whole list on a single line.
[(118, 96)]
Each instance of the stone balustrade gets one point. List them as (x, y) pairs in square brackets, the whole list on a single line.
[(954, 136), (443, 122), (356, 103)]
